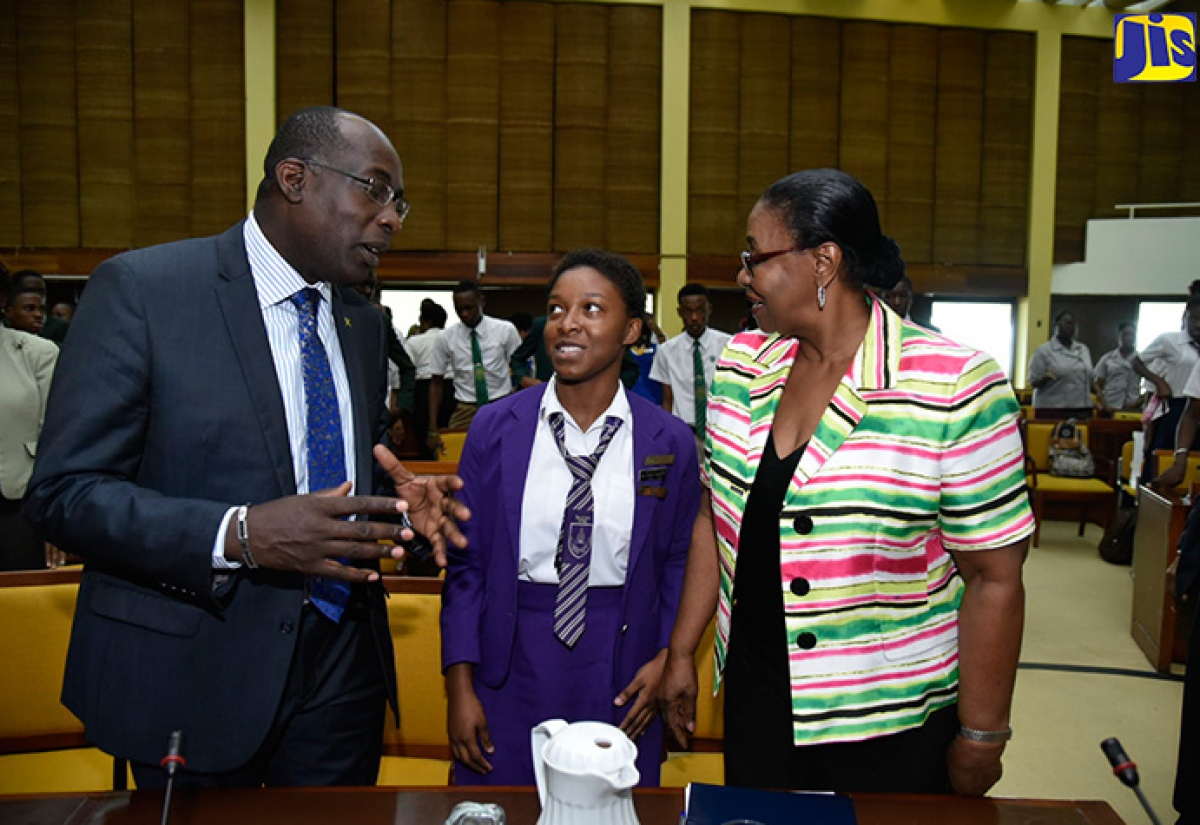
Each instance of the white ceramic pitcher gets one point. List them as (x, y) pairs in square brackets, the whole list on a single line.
[(585, 773)]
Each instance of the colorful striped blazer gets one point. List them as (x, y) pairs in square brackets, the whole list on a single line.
[(918, 451)]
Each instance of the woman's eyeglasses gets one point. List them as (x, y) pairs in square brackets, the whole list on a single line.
[(751, 260)]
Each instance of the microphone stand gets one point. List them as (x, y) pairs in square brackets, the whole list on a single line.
[(171, 763), (1125, 769)]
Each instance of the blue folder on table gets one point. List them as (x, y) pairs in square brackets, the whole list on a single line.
[(717, 804)]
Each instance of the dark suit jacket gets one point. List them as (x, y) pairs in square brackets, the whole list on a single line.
[(479, 599), (165, 412)]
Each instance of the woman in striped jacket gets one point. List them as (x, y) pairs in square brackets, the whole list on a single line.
[(866, 523)]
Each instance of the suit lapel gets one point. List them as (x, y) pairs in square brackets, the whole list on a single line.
[(516, 448), (351, 341), (238, 300), (647, 441)]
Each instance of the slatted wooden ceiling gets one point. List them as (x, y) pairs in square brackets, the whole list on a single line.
[(120, 121), (1119, 143), (936, 122), (551, 113)]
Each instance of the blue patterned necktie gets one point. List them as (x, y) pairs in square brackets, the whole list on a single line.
[(574, 558), (325, 452)]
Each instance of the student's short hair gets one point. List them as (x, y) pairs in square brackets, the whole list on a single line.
[(463, 287), (432, 313), (688, 290), (1124, 325), (616, 268)]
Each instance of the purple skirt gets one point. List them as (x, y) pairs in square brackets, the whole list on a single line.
[(549, 681)]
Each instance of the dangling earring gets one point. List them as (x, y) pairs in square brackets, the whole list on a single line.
[(821, 297)]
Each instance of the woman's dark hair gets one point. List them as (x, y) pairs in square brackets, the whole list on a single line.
[(621, 272), (432, 314), (830, 206)]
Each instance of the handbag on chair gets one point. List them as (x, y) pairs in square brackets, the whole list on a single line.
[(1069, 456)]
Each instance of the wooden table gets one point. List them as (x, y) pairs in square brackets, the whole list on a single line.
[(1158, 627), (377, 806)]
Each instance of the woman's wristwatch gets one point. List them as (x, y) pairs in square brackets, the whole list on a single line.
[(985, 735)]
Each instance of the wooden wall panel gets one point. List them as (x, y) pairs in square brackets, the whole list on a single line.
[(580, 125), (162, 121), (526, 126), (1077, 117), (763, 115), (363, 59), (1118, 135), (864, 148), (218, 96), (1007, 126), (634, 129), (1161, 137), (472, 123), (959, 146), (48, 150), (1190, 169), (104, 74), (419, 118), (816, 93), (911, 120), (304, 31), (10, 136), (714, 225)]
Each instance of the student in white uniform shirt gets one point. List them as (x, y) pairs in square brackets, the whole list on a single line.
[(476, 354), (1167, 364), (688, 361)]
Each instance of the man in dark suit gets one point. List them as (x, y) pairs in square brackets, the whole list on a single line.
[(208, 451)]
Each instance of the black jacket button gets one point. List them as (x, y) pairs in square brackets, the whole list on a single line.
[(286, 627), (800, 586), (806, 641), (803, 525)]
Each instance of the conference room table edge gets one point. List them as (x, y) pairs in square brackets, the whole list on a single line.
[(655, 806)]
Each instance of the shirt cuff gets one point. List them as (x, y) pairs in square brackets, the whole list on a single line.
[(219, 562)]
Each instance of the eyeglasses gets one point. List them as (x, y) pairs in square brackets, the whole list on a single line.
[(378, 191), (749, 261)]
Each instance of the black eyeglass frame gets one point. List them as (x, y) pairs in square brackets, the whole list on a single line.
[(751, 260), (377, 190)]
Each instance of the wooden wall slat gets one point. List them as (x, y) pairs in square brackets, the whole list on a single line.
[(1077, 117), (46, 83), (864, 109), (526, 126), (419, 118), (10, 130), (580, 125), (959, 146), (816, 84), (1118, 138), (1190, 169), (218, 116), (472, 123), (162, 121), (363, 58), (763, 115), (632, 183), (104, 74), (1161, 138), (911, 119), (1007, 129), (303, 55), (714, 225)]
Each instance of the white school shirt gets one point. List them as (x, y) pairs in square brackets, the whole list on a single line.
[(673, 367), (498, 340), (549, 480)]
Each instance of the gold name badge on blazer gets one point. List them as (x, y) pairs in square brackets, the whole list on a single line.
[(660, 460)]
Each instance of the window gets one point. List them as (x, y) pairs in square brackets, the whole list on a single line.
[(986, 326), (1155, 318)]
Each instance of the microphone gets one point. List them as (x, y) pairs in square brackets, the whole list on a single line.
[(1125, 769), (171, 764)]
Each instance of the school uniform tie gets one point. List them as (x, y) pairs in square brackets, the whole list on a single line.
[(481, 389), (700, 385), (574, 559), (324, 451)]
